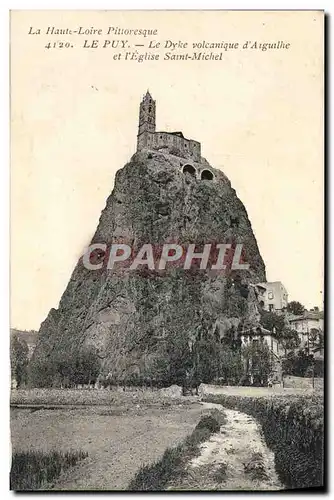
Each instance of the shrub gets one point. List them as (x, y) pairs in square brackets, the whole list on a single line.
[(210, 423)]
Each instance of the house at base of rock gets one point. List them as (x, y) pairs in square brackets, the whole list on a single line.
[(308, 326), (258, 335), (272, 296), (254, 337)]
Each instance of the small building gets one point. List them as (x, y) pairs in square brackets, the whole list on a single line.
[(188, 151), (260, 334), (308, 326), (252, 366), (272, 296)]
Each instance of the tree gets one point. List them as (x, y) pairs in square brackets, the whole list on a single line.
[(289, 339), (64, 367), (80, 367), (258, 361), (206, 359), (19, 359), (157, 371), (87, 367), (42, 372), (321, 341), (295, 307), (313, 337), (270, 320), (230, 366), (297, 363), (179, 359)]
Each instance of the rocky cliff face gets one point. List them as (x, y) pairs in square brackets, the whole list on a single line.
[(129, 316)]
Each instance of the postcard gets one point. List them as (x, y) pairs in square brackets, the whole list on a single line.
[(167, 250)]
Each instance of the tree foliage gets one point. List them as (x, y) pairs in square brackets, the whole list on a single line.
[(295, 307), (289, 339), (19, 359), (66, 369), (270, 321), (258, 361), (230, 366), (298, 363)]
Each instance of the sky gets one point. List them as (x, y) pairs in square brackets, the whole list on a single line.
[(74, 115)]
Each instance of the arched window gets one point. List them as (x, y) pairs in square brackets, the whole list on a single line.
[(206, 175), (189, 169)]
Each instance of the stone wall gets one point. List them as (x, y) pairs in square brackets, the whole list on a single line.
[(186, 148)]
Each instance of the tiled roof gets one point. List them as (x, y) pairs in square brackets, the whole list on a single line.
[(252, 331), (307, 315)]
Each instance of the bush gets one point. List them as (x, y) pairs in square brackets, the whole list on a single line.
[(210, 423), (293, 429)]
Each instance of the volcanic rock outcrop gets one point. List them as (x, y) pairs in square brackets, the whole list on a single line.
[(129, 317)]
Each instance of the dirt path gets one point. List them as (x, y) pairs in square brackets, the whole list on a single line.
[(236, 458)]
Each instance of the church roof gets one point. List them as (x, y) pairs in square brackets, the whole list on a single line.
[(147, 96)]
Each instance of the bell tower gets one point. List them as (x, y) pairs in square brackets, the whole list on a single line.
[(146, 120)]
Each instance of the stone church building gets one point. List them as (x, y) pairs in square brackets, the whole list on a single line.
[(175, 142)]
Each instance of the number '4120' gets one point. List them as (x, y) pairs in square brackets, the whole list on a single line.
[(58, 45)]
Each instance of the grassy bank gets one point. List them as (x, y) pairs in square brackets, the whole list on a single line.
[(293, 429), (35, 470), (171, 466)]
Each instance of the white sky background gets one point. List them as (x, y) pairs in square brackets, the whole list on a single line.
[(258, 116)]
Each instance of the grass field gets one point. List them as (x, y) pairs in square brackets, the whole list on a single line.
[(121, 432), (119, 438)]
